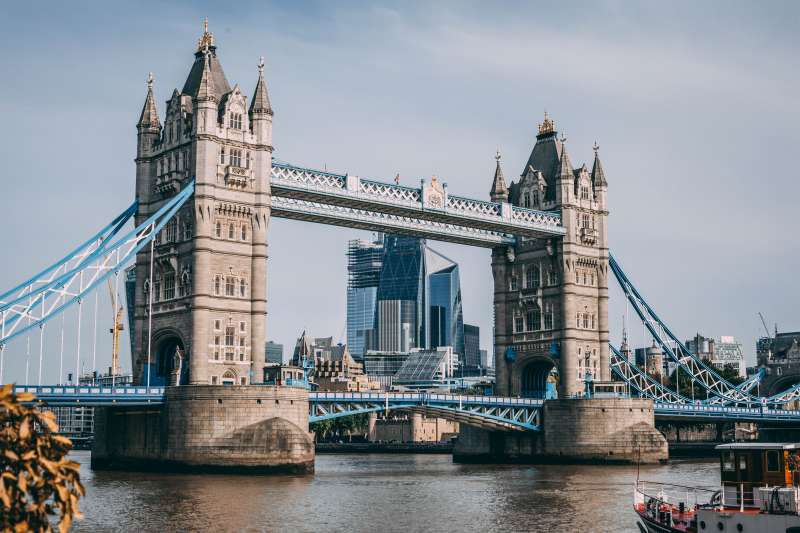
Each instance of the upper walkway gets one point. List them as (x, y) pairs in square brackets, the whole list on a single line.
[(428, 211)]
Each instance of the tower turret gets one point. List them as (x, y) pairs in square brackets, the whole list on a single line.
[(499, 192), (599, 182), (149, 127), (260, 109)]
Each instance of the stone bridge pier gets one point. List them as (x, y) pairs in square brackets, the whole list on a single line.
[(252, 429)]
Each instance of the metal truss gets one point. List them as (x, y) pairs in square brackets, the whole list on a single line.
[(641, 382), (374, 197), (72, 262), (351, 217), (716, 386), (43, 301), (489, 412)]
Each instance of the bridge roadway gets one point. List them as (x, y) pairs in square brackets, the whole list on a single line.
[(490, 412)]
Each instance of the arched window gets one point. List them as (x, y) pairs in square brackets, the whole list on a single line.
[(535, 198), (244, 232), (236, 158), (217, 285), (218, 229), (532, 278), (187, 231), (519, 324), (230, 286), (242, 289), (534, 318), (222, 155), (230, 230), (247, 159), (526, 200)]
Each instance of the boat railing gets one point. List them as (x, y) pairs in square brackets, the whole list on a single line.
[(670, 504), (749, 495)]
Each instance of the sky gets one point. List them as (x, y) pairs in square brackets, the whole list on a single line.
[(693, 104)]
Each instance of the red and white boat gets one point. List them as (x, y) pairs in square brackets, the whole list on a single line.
[(759, 493)]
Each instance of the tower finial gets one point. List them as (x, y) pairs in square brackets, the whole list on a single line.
[(497, 156), (261, 65), (207, 39), (548, 125), (596, 147), (150, 79)]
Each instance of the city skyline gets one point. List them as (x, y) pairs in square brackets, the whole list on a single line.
[(710, 176)]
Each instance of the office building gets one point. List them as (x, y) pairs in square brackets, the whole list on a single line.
[(274, 353), (364, 264)]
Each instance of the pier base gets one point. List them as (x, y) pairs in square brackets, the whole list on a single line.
[(605, 430), (252, 429)]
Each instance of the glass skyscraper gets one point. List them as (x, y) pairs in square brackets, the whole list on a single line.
[(402, 295), (364, 264)]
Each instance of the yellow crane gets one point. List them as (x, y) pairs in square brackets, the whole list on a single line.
[(115, 330)]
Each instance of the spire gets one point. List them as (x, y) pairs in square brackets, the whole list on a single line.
[(565, 165), (260, 103), (149, 116), (499, 192), (205, 89), (598, 176)]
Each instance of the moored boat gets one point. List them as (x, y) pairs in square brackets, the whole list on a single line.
[(759, 493)]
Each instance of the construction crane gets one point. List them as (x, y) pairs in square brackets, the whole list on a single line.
[(115, 330), (764, 323)]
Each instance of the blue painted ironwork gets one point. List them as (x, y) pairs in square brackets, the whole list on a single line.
[(92, 396), (52, 298)]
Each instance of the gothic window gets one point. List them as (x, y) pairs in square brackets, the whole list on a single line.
[(584, 277), (548, 316), (169, 285), (585, 320), (586, 223), (187, 231), (216, 285), (218, 230), (244, 232), (229, 286), (242, 289), (519, 325), (247, 160), (229, 340), (592, 320), (577, 320), (534, 320), (230, 230), (157, 289), (171, 231), (513, 283), (591, 279), (214, 380), (552, 277), (241, 326), (236, 121), (577, 279), (222, 155), (535, 198), (526, 199), (584, 193), (236, 158), (532, 277), (216, 340), (217, 326)]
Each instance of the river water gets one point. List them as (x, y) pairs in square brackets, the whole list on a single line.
[(379, 493)]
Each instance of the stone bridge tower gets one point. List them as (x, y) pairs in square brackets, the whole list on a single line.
[(208, 282), (551, 295)]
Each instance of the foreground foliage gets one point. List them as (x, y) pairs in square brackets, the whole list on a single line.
[(37, 481)]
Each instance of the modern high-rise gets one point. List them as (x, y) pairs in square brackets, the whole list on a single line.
[(445, 317), (364, 262), (472, 349), (400, 315), (274, 352)]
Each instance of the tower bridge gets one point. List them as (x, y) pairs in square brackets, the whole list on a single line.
[(206, 188)]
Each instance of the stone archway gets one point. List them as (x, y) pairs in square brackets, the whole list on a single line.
[(164, 364), (534, 378)]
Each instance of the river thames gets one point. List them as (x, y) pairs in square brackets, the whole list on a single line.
[(376, 492)]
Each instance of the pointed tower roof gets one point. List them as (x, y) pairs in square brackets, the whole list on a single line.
[(499, 190), (260, 102), (206, 58), (545, 156), (149, 116), (598, 176), (565, 170), (205, 88)]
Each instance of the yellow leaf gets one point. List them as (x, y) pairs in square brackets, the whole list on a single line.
[(25, 397), (65, 524), (25, 429), (23, 483), (64, 441), (11, 455)]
